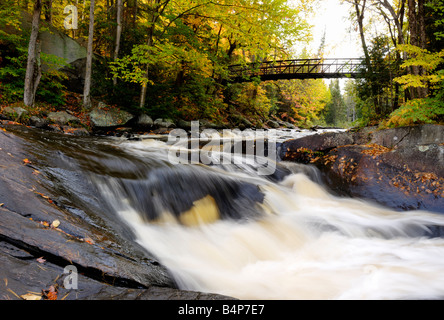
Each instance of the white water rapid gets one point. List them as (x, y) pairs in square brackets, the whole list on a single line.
[(309, 244)]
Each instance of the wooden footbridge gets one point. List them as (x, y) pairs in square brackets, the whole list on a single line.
[(299, 69)]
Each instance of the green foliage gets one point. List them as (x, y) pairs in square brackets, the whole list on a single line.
[(13, 60), (428, 61), (303, 101), (437, 12), (335, 109), (417, 111)]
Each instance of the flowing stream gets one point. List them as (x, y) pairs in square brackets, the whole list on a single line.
[(224, 228)]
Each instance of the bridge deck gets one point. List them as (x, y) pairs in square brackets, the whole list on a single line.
[(298, 69)]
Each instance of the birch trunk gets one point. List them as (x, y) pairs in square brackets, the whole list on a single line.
[(87, 87), (118, 34), (33, 69)]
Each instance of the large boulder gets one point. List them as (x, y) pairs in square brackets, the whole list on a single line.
[(402, 168), (15, 113), (104, 116), (62, 118)]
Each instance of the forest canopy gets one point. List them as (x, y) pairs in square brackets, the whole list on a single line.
[(170, 59)]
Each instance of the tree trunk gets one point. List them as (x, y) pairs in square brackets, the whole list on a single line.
[(360, 19), (360, 13), (417, 38), (87, 87), (118, 34), (33, 69), (134, 13), (48, 11), (146, 76), (156, 12)]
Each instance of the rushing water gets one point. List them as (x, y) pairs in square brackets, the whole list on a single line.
[(226, 229)]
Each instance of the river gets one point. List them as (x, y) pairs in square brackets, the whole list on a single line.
[(226, 228)]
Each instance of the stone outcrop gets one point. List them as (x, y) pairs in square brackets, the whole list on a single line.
[(46, 227), (402, 168)]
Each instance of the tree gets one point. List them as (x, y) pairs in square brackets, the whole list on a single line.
[(118, 34), (89, 56), (335, 109), (33, 66), (418, 38)]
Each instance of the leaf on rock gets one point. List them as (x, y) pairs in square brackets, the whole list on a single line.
[(41, 260), (31, 296)]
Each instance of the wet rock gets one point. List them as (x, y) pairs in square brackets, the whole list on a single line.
[(302, 150), (34, 251), (273, 124), (183, 124), (164, 123), (38, 122), (401, 168), (75, 131), (144, 120)]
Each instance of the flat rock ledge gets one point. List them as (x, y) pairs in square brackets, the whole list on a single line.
[(402, 168), (44, 233)]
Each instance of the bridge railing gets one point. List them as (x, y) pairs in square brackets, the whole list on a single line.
[(299, 68)]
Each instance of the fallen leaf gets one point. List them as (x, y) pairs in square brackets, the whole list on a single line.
[(31, 296), (50, 294), (26, 161), (55, 223), (41, 260), (89, 240), (44, 223)]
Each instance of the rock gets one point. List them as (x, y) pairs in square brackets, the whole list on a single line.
[(289, 125), (164, 123), (206, 124), (38, 122), (301, 150), (409, 136), (144, 120), (54, 127), (273, 124), (103, 116), (399, 179), (34, 251), (75, 131), (183, 124), (62, 118), (15, 113)]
